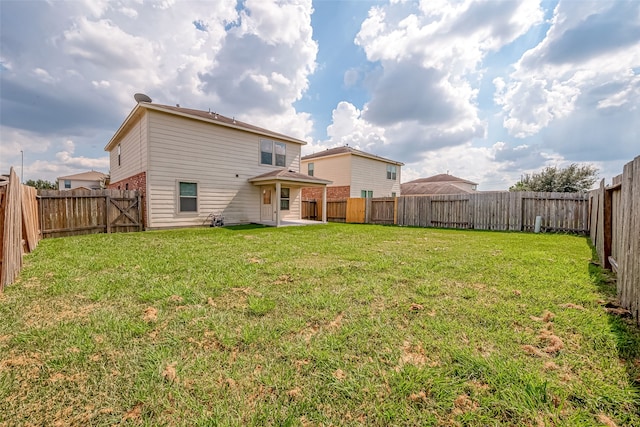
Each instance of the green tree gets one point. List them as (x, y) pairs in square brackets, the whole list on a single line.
[(572, 179), (41, 184)]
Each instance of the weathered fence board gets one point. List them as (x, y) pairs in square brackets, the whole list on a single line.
[(515, 211), (30, 229), (18, 223), (382, 210), (615, 232), (309, 210), (80, 211), (629, 249), (337, 211)]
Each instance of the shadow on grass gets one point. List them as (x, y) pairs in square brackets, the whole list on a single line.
[(243, 227), (625, 328)]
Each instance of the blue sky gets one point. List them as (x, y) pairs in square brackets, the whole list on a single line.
[(486, 90)]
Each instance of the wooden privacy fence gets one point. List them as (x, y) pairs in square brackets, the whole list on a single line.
[(515, 211), (80, 211), (310, 210), (336, 210), (18, 226), (615, 232)]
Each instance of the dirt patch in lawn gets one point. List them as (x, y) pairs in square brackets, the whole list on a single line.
[(56, 311)]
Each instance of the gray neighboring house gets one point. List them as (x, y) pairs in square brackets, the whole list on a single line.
[(438, 184)]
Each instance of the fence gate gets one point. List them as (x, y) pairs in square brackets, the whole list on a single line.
[(127, 214)]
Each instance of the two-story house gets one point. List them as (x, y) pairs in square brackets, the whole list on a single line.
[(92, 180), (354, 173), (189, 164)]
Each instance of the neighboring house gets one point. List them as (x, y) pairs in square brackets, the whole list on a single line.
[(438, 184), (354, 174), (92, 180), (190, 164)]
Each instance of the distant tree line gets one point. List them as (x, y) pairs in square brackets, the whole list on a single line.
[(572, 179), (41, 184)]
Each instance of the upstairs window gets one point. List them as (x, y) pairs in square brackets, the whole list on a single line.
[(281, 153), (67, 183), (273, 153), (266, 152), (118, 154), (188, 196), (310, 169), (391, 172)]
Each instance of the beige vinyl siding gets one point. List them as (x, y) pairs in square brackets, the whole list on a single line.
[(295, 202), (133, 152), (80, 183), (335, 168), (369, 174), (220, 160)]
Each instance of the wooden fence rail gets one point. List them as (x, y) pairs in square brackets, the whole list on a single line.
[(615, 232), (515, 211), (18, 226), (80, 211)]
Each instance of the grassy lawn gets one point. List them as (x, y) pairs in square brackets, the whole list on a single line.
[(318, 325)]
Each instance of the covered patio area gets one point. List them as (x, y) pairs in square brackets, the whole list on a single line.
[(281, 197)]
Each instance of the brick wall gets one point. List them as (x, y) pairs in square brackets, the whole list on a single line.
[(315, 193), (136, 182)]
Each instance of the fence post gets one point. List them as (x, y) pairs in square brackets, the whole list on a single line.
[(106, 213), (606, 235), (140, 217)]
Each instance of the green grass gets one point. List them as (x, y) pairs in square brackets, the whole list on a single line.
[(318, 325)]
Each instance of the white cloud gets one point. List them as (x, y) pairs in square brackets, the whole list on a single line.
[(425, 91), (351, 77), (589, 47), (43, 75), (106, 45), (101, 84), (264, 65)]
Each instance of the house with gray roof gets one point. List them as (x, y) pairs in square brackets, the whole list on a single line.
[(190, 164), (438, 184)]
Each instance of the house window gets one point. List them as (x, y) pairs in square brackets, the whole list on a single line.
[(118, 154), (366, 193), (310, 169), (267, 150), (188, 196), (284, 199), (391, 172), (67, 183), (393, 194), (281, 153)]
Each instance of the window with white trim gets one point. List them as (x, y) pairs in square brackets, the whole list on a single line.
[(391, 172), (281, 153), (273, 153), (67, 183), (284, 198), (366, 194), (188, 197), (118, 154), (310, 167)]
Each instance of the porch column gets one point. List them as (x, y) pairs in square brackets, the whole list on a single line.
[(324, 203), (277, 203)]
